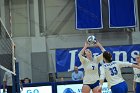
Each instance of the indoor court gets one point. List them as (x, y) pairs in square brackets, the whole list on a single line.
[(42, 41)]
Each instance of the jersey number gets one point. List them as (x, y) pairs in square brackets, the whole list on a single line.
[(113, 71)]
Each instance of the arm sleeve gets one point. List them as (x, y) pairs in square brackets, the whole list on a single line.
[(124, 64), (102, 73), (81, 57)]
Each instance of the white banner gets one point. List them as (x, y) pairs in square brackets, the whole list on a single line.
[(38, 89), (77, 88)]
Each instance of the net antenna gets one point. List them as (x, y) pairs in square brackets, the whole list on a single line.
[(7, 48)]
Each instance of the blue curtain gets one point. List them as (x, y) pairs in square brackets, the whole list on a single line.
[(121, 13), (88, 14)]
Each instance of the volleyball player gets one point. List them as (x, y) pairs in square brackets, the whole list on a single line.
[(90, 65), (112, 72), (7, 82), (136, 81)]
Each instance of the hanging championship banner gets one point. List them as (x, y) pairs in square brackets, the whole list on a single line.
[(88, 14), (122, 13)]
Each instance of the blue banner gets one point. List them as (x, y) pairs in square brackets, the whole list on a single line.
[(66, 59), (122, 13), (88, 14)]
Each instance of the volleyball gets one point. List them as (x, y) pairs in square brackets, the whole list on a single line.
[(91, 39)]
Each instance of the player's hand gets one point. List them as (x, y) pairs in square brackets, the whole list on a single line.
[(96, 44), (86, 44)]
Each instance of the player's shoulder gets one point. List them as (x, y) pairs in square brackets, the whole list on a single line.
[(109, 64), (114, 62), (117, 62)]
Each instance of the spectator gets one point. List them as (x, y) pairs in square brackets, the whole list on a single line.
[(7, 82), (61, 79), (27, 80), (77, 75)]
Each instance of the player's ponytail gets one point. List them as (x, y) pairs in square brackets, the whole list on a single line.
[(107, 55)]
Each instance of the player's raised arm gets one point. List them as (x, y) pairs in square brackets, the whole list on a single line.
[(100, 46), (81, 54), (135, 66), (84, 48), (100, 57), (127, 64)]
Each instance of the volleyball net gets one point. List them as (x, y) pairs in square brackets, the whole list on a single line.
[(7, 46)]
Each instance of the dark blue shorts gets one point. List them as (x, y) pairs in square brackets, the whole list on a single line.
[(9, 89), (120, 88), (92, 86), (137, 87)]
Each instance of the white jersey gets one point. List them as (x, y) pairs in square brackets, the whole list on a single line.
[(136, 75), (112, 72), (91, 70), (8, 78)]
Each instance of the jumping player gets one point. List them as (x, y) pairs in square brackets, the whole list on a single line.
[(111, 70), (90, 64)]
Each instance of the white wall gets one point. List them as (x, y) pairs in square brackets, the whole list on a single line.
[(19, 18), (24, 47), (38, 44), (136, 37), (23, 55)]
